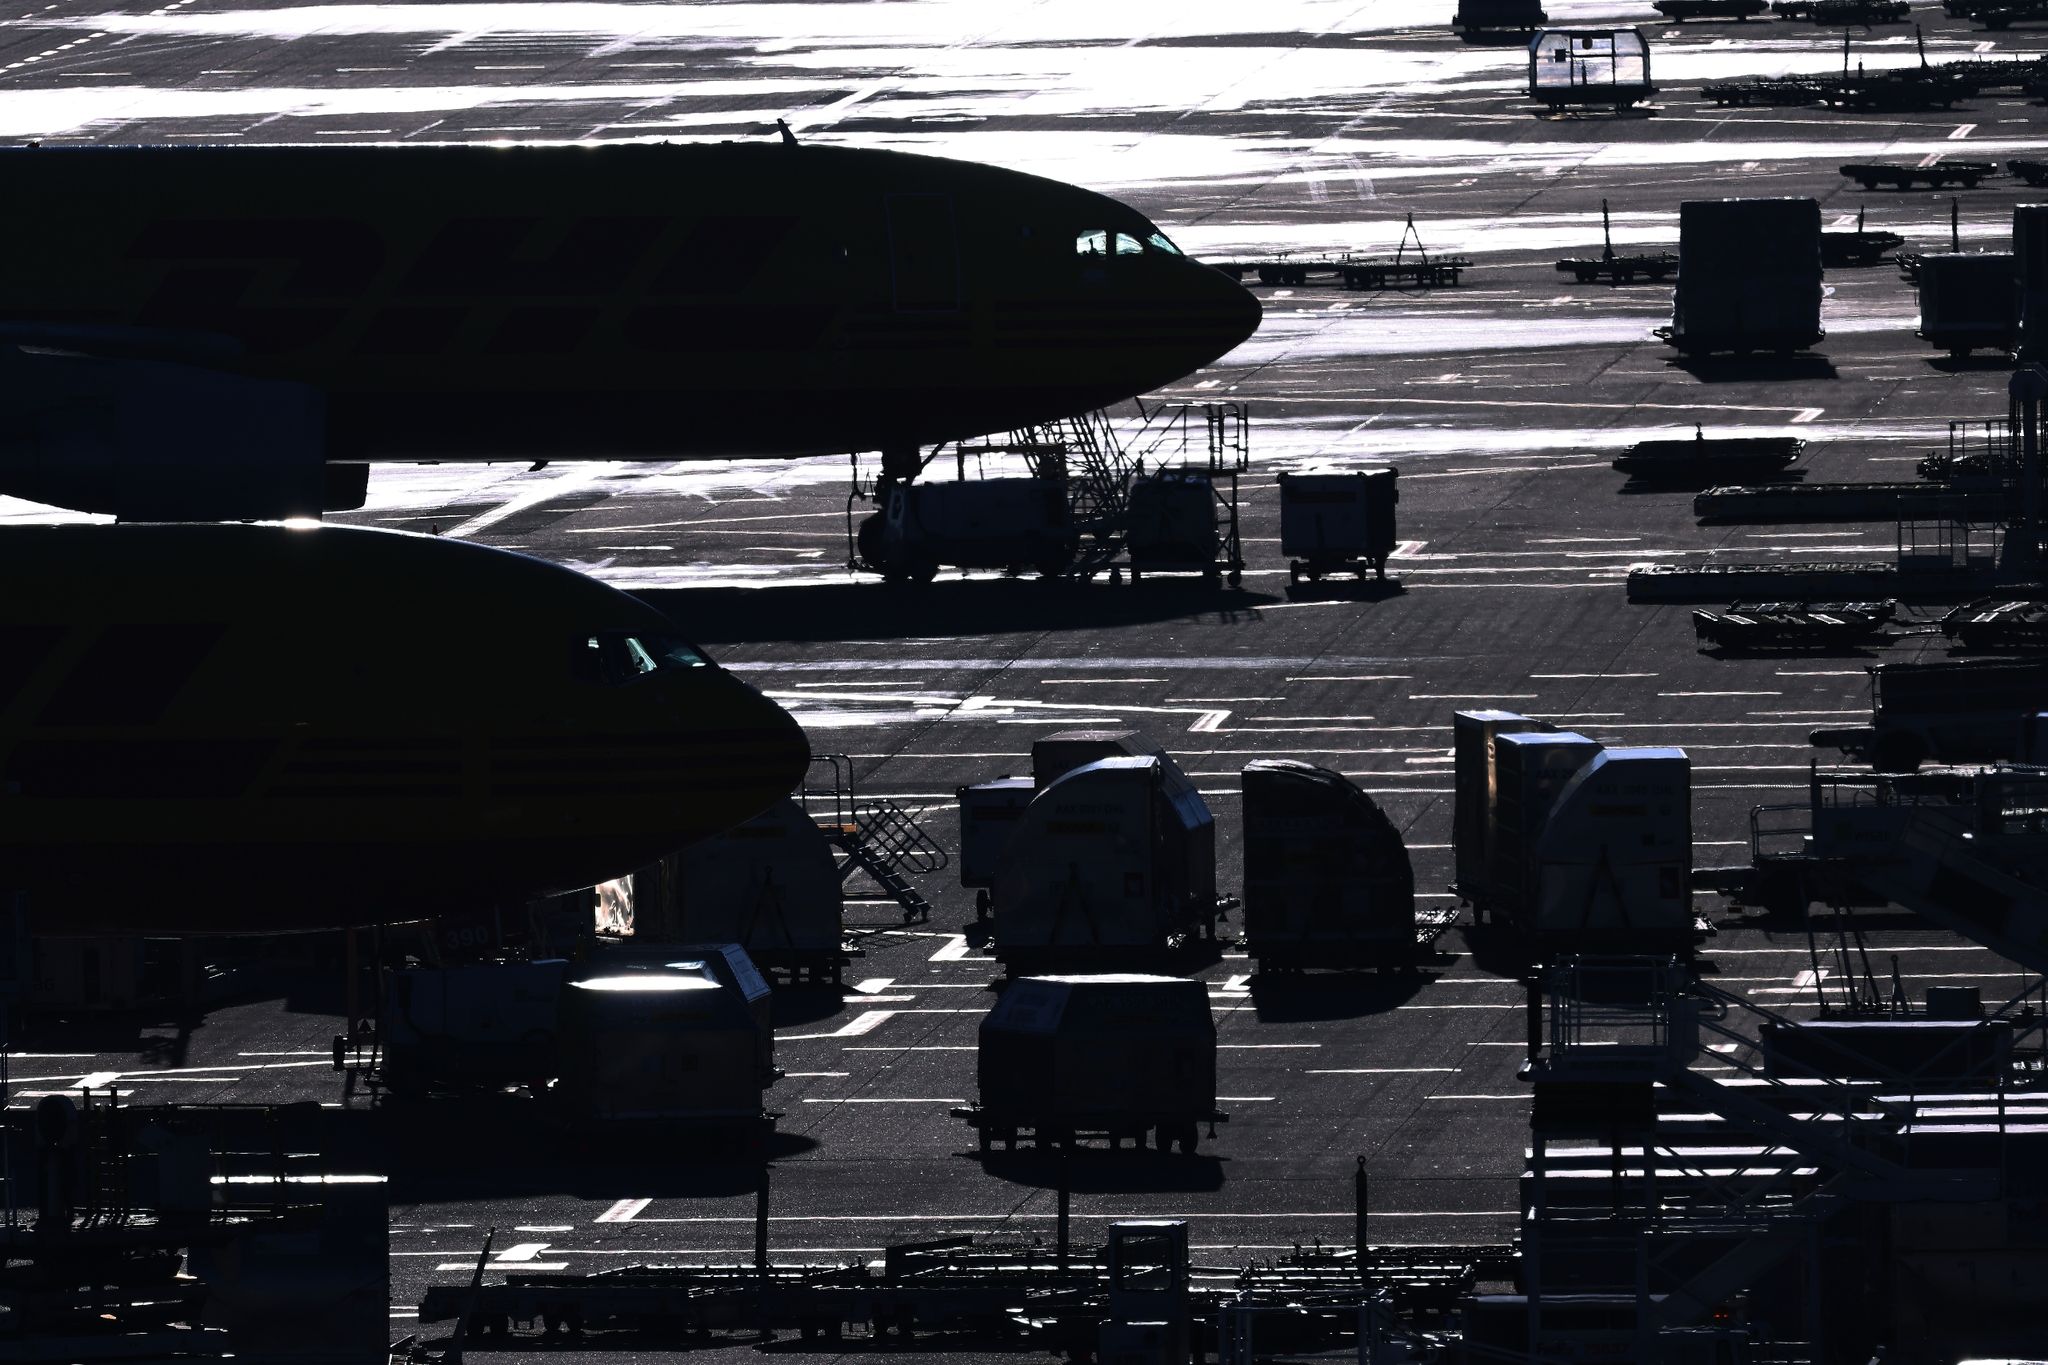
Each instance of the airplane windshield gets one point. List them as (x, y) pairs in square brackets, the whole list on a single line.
[(1158, 242), (614, 657), (1092, 243)]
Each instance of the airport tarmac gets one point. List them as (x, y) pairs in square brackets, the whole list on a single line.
[(1305, 126)]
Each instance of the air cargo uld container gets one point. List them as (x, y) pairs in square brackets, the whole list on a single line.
[(1529, 771), (1327, 881), (1969, 301), (989, 815), (1749, 276), (1571, 68), (1171, 524), (1337, 521), (679, 1035), (1473, 735), (1054, 756), (1111, 1055), (1113, 864), (477, 1026), (1952, 711), (2030, 260), (1476, 17), (1015, 523), (1614, 857), (770, 885)]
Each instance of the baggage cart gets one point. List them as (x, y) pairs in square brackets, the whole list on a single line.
[(1337, 522)]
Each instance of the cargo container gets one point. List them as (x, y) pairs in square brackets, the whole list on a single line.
[(1570, 68), (1115, 1056), (1614, 858), (1113, 864), (1054, 756), (1015, 524), (680, 1035), (480, 1026), (1969, 301), (1749, 276), (1529, 770), (1473, 736), (989, 815), (1327, 881), (770, 885), (1174, 523), (1337, 521), (1475, 18)]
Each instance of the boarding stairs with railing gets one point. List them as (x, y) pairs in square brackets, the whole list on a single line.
[(1714, 1183), (879, 836)]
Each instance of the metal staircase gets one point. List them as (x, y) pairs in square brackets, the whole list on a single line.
[(1685, 1211), (880, 838), (1965, 850)]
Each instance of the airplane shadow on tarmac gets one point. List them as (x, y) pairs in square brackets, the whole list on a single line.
[(880, 611), (1969, 364), (455, 1148)]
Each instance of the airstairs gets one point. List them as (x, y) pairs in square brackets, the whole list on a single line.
[(879, 837), (1654, 1176), (1966, 850)]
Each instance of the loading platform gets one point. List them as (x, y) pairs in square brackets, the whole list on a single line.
[(1822, 502)]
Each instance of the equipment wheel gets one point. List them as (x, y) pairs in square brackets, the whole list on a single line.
[(1293, 571), (1189, 1136), (923, 571), (1234, 578)]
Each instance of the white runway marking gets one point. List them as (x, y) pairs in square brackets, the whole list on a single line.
[(625, 1211), (1381, 1070), (892, 1099), (864, 1022)]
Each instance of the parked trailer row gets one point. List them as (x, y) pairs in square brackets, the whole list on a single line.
[(1794, 625), (1953, 711), (1823, 502), (1105, 859)]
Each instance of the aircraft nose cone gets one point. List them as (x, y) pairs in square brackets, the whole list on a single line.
[(779, 755), (1231, 311)]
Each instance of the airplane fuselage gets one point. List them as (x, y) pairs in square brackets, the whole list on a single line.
[(622, 300), (262, 728)]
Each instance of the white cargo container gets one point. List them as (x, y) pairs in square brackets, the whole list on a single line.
[(770, 885), (674, 1035), (1337, 521), (1614, 858), (989, 815), (1327, 881), (1473, 735), (1528, 773), (1114, 862)]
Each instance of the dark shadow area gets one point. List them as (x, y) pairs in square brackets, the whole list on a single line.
[(501, 1146), (1970, 364), (1498, 38), (880, 611), (806, 1004), (1695, 481), (1308, 997), (1346, 589), (157, 1036), (1812, 651), (1735, 369), (1097, 1170), (1497, 948)]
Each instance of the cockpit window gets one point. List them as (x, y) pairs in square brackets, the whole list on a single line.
[(1095, 243), (1157, 242), (1127, 245), (616, 657)]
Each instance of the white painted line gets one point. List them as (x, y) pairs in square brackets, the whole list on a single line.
[(1962, 131), (864, 1022), (1474, 696), (552, 1227), (1250, 1047), (803, 1075), (954, 950), (625, 1211), (1477, 1097), (1592, 675), (919, 1047), (1244, 1099), (1384, 1070), (874, 984), (534, 495), (892, 1099), (466, 1266)]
